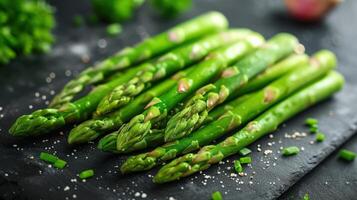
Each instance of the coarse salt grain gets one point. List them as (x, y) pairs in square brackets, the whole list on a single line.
[(268, 151), (66, 188)]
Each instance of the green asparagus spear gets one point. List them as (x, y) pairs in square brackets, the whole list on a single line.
[(93, 128), (272, 73), (264, 124), (242, 111), (260, 81), (46, 120), (233, 78), (167, 65), (195, 28), (133, 135)]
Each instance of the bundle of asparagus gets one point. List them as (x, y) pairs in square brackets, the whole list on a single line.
[(246, 42), (219, 80), (139, 134)]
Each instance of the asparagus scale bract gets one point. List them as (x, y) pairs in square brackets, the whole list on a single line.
[(233, 78), (240, 112), (166, 65), (264, 124), (133, 135), (202, 25)]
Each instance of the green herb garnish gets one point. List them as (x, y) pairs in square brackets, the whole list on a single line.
[(86, 174), (217, 196), (347, 155), (289, 151), (244, 151), (245, 160), (237, 166)]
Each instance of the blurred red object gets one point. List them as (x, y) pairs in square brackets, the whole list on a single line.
[(310, 10)]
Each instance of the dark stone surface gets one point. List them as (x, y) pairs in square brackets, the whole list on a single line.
[(23, 176), (332, 179)]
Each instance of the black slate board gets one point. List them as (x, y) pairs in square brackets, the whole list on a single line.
[(24, 178), (333, 178)]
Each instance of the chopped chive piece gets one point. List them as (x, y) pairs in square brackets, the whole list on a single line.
[(114, 29), (245, 160), (311, 121), (244, 151), (306, 197), (217, 196), (48, 157), (347, 155), (60, 164), (86, 174), (320, 137), (237, 166), (289, 151)]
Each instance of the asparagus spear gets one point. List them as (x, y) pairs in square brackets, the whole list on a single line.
[(133, 135), (167, 65), (240, 112), (93, 128), (233, 78), (46, 120), (195, 28), (264, 124), (271, 74)]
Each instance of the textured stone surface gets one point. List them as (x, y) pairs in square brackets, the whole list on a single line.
[(23, 176)]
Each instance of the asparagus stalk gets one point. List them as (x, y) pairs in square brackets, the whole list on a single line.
[(233, 78), (240, 112), (93, 128), (264, 124), (46, 120), (271, 74), (133, 135), (166, 65), (195, 28)]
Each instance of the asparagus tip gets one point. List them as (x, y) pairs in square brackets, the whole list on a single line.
[(185, 121), (85, 132), (108, 143), (132, 133), (176, 169), (139, 162), (39, 122)]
